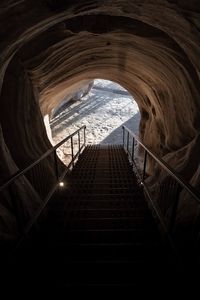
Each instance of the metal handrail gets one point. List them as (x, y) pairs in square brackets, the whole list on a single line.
[(43, 156), (53, 187), (166, 224), (48, 197), (195, 194)]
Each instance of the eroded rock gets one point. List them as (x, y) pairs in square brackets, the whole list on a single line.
[(151, 48)]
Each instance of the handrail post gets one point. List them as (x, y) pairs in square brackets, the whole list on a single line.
[(56, 165), (133, 145), (72, 151), (79, 141), (123, 129), (144, 165), (127, 145), (84, 136)]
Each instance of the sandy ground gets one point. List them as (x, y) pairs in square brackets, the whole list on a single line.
[(104, 110)]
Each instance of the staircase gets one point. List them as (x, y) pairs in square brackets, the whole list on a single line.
[(97, 231)]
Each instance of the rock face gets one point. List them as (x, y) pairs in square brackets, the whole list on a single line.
[(72, 97), (51, 48)]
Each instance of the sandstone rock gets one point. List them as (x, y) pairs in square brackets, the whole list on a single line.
[(152, 48)]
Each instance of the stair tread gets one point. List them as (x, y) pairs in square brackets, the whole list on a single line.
[(98, 229)]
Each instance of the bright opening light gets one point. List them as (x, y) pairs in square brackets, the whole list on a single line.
[(61, 184), (104, 110)]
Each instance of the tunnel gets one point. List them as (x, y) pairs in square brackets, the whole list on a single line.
[(53, 48)]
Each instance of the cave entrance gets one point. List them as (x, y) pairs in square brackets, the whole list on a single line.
[(104, 106)]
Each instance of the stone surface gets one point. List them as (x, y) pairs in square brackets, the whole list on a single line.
[(151, 48)]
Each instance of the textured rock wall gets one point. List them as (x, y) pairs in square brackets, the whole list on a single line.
[(152, 48), (21, 119), (22, 125)]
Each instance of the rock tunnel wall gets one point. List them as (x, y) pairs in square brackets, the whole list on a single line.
[(21, 118), (151, 48)]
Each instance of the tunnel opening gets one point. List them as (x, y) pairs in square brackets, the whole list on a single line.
[(103, 106), (48, 50)]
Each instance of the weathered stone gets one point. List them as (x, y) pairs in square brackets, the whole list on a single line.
[(51, 48)]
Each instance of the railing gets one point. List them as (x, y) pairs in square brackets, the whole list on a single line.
[(37, 183), (168, 191)]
